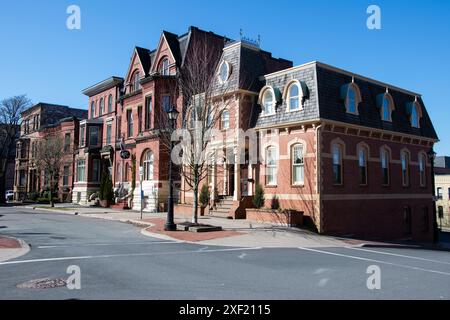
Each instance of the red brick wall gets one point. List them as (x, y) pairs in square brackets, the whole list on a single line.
[(374, 210)]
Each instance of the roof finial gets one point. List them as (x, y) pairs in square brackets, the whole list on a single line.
[(259, 40), (387, 89), (353, 79), (241, 32)]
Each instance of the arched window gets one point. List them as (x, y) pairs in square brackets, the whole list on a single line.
[(294, 97), (362, 161), (351, 100), (92, 109), (298, 165), (268, 102), (387, 107), (110, 102), (271, 166), (422, 169), (136, 85), (102, 105), (405, 168), (385, 165), (147, 161), (164, 67), (225, 120), (337, 163), (415, 116)]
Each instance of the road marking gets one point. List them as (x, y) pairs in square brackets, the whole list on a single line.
[(398, 255), (376, 261), (124, 255), (105, 244)]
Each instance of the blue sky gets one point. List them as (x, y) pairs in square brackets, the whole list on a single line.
[(39, 56)]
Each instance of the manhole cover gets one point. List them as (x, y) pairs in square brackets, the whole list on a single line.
[(45, 283)]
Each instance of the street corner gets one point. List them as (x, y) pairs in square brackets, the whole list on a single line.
[(11, 248), (157, 230)]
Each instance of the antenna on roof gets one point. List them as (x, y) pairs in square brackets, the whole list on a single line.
[(259, 40), (241, 33)]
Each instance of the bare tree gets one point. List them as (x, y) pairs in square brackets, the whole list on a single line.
[(204, 100), (50, 160), (10, 121)]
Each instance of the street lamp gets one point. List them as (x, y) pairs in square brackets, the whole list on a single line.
[(432, 156), (170, 225)]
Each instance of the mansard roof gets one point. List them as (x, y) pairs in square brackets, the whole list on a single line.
[(325, 101)]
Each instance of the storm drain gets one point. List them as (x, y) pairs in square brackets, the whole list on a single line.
[(45, 283)]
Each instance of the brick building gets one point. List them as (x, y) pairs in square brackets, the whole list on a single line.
[(126, 111), (347, 151), (38, 121)]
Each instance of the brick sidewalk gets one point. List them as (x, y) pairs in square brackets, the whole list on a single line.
[(186, 235), (8, 243)]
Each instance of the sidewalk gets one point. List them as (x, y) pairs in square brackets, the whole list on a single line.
[(240, 233), (11, 248)]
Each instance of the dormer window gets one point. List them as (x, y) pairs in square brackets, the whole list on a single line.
[(224, 71), (352, 97), (386, 107), (294, 97), (164, 67), (351, 100)]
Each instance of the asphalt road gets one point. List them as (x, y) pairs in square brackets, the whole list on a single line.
[(117, 262)]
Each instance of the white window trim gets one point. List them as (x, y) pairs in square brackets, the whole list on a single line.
[(228, 72), (261, 101), (274, 183), (297, 184), (391, 107), (358, 98), (287, 96)]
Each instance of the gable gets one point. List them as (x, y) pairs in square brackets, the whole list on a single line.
[(134, 64), (163, 50)]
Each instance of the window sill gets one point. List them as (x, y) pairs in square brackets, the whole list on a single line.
[(297, 185), (271, 186)]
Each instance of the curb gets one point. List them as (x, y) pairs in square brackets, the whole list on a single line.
[(15, 252), (400, 246)]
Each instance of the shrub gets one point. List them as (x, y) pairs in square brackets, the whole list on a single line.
[(275, 203), (106, 187), (258, 198), (204, 195)]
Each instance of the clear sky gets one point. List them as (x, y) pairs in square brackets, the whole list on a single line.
[(40, 57)]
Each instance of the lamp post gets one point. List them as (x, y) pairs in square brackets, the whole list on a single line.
[(170, 225), (432, 157), (141, 178)]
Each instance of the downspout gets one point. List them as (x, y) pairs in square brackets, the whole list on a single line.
[(319, 176)]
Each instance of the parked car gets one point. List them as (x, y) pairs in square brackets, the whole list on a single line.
[(9, 195)]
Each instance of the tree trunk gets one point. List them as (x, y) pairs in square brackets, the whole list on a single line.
[(195, 204), (52, 204)]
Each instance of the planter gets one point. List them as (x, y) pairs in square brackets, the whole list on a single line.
[(290, 218), (105, 203)]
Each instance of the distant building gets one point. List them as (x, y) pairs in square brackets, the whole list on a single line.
[(38, 121), (442, 182)]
